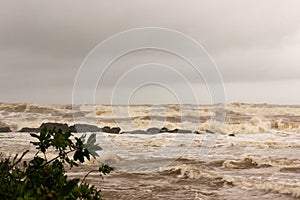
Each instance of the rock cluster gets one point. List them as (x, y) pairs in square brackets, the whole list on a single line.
[(76, 128), (155, 130), (82, 128)]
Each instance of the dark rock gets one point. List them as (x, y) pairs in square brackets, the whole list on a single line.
[(198, 132), (5, 129), (107, 129), (164, 130), (209, 131), (153, 130), (77, 128), (173, 131), (176, 130), (231, 134), (180, 131), (29, 130), (57, 126), (81, 128), (115, 130)]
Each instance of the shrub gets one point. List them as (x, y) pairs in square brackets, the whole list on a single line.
[(42, 178)]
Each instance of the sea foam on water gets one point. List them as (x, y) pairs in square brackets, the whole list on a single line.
[(260, 158)]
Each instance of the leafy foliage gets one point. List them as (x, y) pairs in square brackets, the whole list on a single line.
[(90, 144), (41, 178)]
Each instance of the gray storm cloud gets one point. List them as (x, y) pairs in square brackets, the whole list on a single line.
[(43, 43)]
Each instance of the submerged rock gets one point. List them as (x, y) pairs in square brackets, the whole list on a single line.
[(29, 130), (135, 132), (153, 130)]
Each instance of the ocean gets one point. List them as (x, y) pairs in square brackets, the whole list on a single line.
[(249, 151)]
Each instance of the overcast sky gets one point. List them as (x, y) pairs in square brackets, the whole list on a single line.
[(254, 43)]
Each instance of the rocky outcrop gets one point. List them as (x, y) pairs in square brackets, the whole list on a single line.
[(5, 129), (29, 130), (153, 130), (57, 126), (181, 131), (82, 128), (76, 128), (166, 130), (115, 130)]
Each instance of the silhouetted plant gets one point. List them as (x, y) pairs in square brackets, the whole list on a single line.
[(42, 178)]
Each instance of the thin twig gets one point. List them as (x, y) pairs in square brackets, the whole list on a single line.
[(55, 158), (87, 175), (20, 159)]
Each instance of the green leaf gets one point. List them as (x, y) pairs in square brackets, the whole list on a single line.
[(97, 148), (92, 139), (82, 137), (70, 186), (105, 169), (86, 153), (35, 135)]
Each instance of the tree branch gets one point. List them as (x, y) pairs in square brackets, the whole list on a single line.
[(19, 160)]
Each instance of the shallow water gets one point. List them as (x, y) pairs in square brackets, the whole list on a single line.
[(262, 160)]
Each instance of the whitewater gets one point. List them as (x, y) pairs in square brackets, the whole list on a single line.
[(251, 153)]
